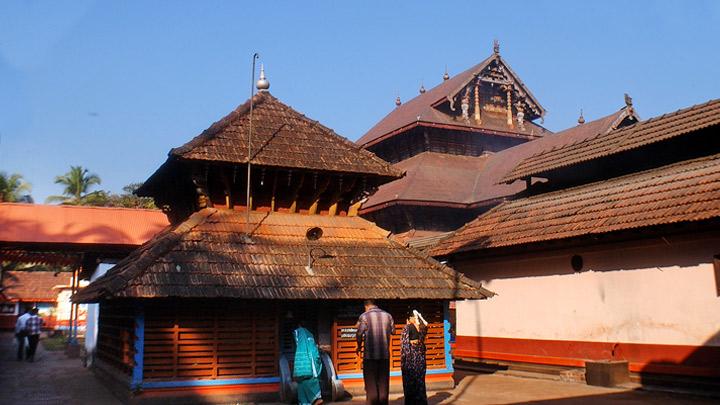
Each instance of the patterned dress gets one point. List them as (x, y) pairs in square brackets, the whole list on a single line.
[(412, 363)]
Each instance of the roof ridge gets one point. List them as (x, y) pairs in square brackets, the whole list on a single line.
[(618, 140)]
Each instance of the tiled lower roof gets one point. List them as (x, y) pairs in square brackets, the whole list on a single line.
[(657, 129), (33, 285), (209, 255), (681, 192)]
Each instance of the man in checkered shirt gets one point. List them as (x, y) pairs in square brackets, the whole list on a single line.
[(374, 329), (33, 326)]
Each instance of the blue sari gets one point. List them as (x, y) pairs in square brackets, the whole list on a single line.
[(307, 367)]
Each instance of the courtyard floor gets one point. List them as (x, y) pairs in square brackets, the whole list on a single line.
[(55, 379)]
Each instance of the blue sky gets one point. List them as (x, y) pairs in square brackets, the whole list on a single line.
[(112, 86)]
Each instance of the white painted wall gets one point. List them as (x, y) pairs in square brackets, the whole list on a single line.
[(664, 293), (93, 312)]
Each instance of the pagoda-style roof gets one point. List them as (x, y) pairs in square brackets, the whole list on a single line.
[(215, 253), (282, 138), (425, 109), (683, 192), (463, 181), (658, 129)]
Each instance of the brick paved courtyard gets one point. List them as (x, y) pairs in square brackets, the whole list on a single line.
[(55, 379)]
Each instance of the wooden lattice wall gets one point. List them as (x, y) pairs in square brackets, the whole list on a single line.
[(193, 340), (116, 335), (347, 362)]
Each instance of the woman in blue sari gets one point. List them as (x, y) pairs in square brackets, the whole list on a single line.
[(307, 367)]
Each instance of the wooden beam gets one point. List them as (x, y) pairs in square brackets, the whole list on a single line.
[(274, 189), (335, 199), (353, 210), (318, 193), (294, 193)]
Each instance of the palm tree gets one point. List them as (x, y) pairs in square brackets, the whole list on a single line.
[(12, 187), (78, 182)]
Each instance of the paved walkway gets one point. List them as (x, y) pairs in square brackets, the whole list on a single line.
[(52, 379), (55, 379)]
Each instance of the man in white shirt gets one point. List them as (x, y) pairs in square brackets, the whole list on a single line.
[(21, 334)]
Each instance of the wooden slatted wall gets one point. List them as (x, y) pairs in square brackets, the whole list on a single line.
[(210, 341), (347, 362), (116, 335)]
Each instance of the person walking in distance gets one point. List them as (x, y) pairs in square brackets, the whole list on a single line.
[(373, 337), (20, 334), (32, 327)]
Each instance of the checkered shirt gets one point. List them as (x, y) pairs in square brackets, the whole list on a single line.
[(375, 327), (33, 325)]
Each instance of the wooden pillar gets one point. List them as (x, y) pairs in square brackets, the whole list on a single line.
[(335, 199), (318, 193), (354, 209), (478, 118), (274, 190), (509, 107), (295, 192)]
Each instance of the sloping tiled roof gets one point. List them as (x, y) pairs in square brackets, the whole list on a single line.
[(646, 132), (681, 192), (33, 285), (466, 180), (420, 110), (432, 177), (209, 255), (64, 224), (281, 137)]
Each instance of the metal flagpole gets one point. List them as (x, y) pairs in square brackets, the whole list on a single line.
[(252, 93)]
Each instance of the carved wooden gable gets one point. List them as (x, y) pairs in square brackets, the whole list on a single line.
[(493, 92)]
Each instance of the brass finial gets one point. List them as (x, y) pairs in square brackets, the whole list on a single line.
[(446, 76), (397, 101), (496, 46), (581, 119), (262, 84)]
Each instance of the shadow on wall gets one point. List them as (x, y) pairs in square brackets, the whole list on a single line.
[(690, 367)]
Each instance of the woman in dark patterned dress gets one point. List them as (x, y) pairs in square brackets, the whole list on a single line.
[(412, 359)]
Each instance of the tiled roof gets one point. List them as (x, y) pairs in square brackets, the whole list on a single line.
[(420, 110), (466, 180), (37, 223), (209, 255), (432, 177), (281, 137), (33, 285), (646, 132), (681, 192)]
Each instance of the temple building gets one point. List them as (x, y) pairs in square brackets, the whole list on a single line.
[(612, 254), (455, 142), (263, 233)]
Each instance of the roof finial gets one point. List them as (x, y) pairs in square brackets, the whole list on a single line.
[(262, 84), (446, 76), (628, 100), (422, 88), (496, 46), (397, 101), (581, 119)]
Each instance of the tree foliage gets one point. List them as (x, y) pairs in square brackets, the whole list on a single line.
[(77, 184), (13, 188), (128, 199)]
